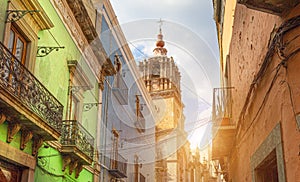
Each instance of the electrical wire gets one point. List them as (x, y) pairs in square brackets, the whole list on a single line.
[(276, 44), (197, 95), (53, 37), (139, 147), (145, 56)]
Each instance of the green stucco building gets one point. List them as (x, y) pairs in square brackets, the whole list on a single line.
[(52, 72)]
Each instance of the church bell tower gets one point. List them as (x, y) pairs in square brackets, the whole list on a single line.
[(162, 79)]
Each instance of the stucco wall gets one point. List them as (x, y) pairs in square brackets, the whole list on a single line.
[(249, 44), (3, 8), (52, 71)]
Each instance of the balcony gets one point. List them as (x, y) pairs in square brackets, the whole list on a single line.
[(26, 102), (140, 122), (270, 6), (120, 89), (118, 166), (77, 142), (223, 126)]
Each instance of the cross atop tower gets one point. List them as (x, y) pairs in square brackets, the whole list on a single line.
[(160, 22)]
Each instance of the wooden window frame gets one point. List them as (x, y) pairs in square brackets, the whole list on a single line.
[(18, 35)]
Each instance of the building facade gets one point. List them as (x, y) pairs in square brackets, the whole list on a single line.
[(52, 73), (127, 150), (162, 79), (256, 110)]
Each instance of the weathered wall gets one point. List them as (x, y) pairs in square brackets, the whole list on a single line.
[(52, 71), (3, 8), (249, 45)]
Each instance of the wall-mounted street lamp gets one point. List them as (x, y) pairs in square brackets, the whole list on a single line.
[(89, 106), (15, 15), (43, 51), (75, 89)]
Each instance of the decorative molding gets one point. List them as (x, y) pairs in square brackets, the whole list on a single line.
[(66, 161), (166, 94), (26, 136), (78, 169), (12, 130), (41, 17), (70, 21), (78, 75), (82, 17), (101, 80), (19, 157), (2, 118), (73, 165), (79, 38), (55, 144), (37, 143), (108, 69)]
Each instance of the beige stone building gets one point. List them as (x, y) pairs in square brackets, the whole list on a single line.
[(256, 109), (162, 79)]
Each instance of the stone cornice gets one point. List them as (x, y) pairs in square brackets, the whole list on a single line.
[(166, 94), (41, 17), (83, 19), (87, 49)]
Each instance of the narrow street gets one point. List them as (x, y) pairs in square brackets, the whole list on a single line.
[(149, 91)]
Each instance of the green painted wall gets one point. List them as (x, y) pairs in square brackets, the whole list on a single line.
[(89, 118), (52, 71), (3, 8), (49, 168), (16, 141)]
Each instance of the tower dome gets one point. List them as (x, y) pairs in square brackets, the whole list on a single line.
[(160, 42), (160, 50)]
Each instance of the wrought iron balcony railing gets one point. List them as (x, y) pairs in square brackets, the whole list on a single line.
[(221, 103), (140, 122), (75, 137), (223, 126), (118, 166), (24, 88), (120, 89)]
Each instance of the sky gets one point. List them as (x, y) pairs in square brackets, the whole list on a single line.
[(190, 38)]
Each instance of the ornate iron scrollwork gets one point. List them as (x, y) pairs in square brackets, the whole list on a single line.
[(43, 51), (15, 15), (73, 133), (75, 89), (21, 83)]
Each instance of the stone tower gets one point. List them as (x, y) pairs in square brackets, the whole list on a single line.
[(162, 79)]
